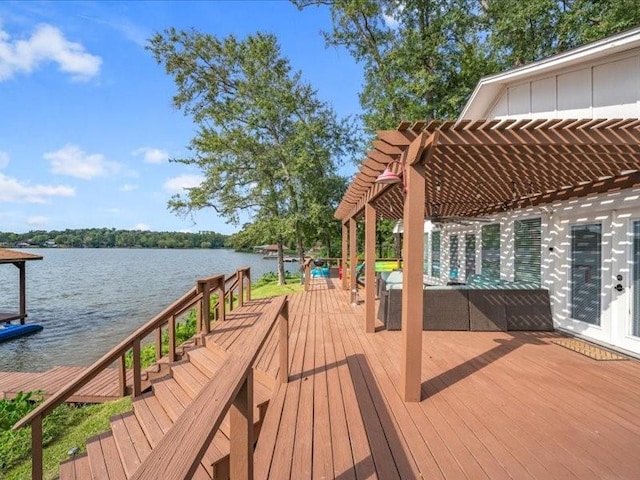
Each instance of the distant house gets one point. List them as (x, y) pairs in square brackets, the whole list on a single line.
[(268, 251)]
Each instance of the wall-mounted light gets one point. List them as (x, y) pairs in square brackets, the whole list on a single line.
[(389, 177)]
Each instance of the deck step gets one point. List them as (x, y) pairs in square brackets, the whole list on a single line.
[(131, 441), (118, 453), (207, 361), (104, 459), (76, 469)]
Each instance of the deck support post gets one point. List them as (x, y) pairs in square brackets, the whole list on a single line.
[(248, 278), (241, 429), (23, 290), (353, 259), (412, 289), (283, 332), (345, 253), (36, 448), (369, 271)]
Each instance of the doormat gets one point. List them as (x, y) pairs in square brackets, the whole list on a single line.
[(588, 349)]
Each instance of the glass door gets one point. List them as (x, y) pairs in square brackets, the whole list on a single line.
[(634, 329), (586, 273)]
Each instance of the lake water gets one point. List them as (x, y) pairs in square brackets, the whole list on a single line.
[(88, 300)]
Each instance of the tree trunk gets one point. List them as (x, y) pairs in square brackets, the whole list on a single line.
[(281, 277)]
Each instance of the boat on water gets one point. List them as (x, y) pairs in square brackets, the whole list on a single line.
[(10, 331)]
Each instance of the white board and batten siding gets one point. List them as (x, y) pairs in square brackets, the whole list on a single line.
[(606, 89), (600, 80)]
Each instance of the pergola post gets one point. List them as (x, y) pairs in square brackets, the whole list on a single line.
[(412, 290), (353, 259), (345, 253), (369, 271)]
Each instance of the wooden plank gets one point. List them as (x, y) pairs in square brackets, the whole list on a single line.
[(322, 452), (124, 445), (112, 459)]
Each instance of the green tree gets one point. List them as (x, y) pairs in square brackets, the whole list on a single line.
[(421, 58), (263, 136)]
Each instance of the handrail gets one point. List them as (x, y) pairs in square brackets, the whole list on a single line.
[(198, 297), (107, 359), (180, 451)]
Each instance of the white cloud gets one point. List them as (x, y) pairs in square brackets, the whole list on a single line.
[(142, 227), (37, 221), (73, 161), (152, 155), (4, 159), (127, 187), (46, 44), (181, 182), (12, 190)]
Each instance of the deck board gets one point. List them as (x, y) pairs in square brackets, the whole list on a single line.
[(494, 404), (103, 388)]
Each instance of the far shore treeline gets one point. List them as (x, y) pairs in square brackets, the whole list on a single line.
[(112, 238)]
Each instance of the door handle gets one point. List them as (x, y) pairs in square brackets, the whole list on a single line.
[(619, 287)]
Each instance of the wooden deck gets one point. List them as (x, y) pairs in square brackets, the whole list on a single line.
[(101, 389), (494, 404)]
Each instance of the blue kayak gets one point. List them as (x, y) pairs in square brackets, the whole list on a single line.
[(9, 331)]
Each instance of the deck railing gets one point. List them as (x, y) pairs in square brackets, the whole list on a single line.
[(180, 451), (198, 297)]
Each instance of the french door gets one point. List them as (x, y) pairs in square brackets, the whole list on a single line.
[(599, 277)]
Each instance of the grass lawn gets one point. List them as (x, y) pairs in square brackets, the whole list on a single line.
[(78, 424), (273, 289)]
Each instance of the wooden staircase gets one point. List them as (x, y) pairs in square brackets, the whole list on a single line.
[(119, 452)]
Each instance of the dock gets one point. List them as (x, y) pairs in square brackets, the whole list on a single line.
[(101, 389)]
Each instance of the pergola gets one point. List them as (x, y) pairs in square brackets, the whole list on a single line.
[(18, 259), (474, 168)]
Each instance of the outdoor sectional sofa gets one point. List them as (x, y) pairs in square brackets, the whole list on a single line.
[(479, 305)]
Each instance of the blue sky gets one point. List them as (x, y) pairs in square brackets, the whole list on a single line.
[(86, 121)]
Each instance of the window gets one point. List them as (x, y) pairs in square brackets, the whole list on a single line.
[(526, 260), (435, 254), (425, 266), (491, 251), (469, 255), (454, 262)]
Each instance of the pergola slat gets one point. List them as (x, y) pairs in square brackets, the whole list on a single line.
[(486, 163)]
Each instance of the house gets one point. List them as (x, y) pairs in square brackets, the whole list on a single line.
[(536, 183)]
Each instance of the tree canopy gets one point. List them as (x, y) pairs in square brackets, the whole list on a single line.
[(267, 146), (423, 58)]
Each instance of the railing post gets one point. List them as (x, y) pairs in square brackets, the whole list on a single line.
[(122, 375), (248, 277), (36, 448), (283, 330), (203, 311), (241, 434), (158, 343), (240, 288), (172, 338), (137, 366), (221, 294)]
